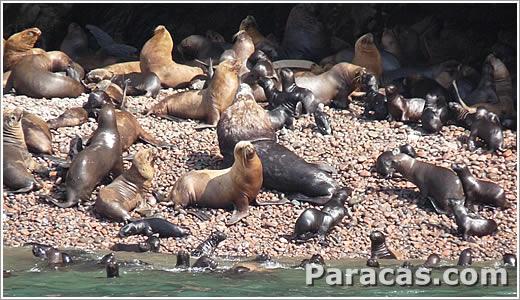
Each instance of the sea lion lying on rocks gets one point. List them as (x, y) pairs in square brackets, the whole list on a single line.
[(467, 225)]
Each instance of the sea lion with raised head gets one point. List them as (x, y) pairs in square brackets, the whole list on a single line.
[(205, 263), (241, 51), (468, 225), (210, 244), (367, 55), (401, 108), (19, 45), (183, 259), (374, 100), (465, 258), (151, 226), (486, 126), (378, 248)]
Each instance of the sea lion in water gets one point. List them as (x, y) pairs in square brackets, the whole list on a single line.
[(479, 190), (236, 186), (183, 259), (378, 248), (433, 260), (465, 258), (436, 183), (372, 262), (16, 157), (33, 76), (251, 265), (316, 259), (467, 225), (509, 259), (205, 263), (112, 269), (210, 244), (367, 55), (19, 45), (156, 57), (115, 200), (101, 157), (153, 226), (207, 104), (36, 134), (57, 257), (151, 244), (401, 108)]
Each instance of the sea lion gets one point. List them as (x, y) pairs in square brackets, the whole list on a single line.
[(156, 57), (241, 51), (210, 244), (16, 158), (249, 25), (384, 164), (334, 85), (146, 83), (114, 91), (407, 265), (204, 263), (73, 116), (183, 259), (486, 126), (33, 76), (106, 259), (465, 258), (378, 248), (207, 104), (401, 108), (253, 265), (115, 200), (479, 190), (436, 184), (110, 71), (314, 223), (433, 260), (460, 115), (467, 225), (374, 100), (372, 262), (36, 134), (57, 257), (236, 186), (151, 244), (316, 259), (19, 45), (509, 259), (112, 269), (200, 47), (100, 157), (435, 115), (366, 55), (75, 43), (152, 226)]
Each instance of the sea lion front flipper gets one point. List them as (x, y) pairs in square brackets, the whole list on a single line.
[(199, 214), (241, 210), (281, 201)]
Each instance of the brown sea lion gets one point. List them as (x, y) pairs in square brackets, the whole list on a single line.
[(467, 225), (156, 56), (241, 51), (16, 159), (33, 76), (75, 43), (19, 45), (73, 116), (126, 191), (401, 108), (366, 55), (110, 71), (207, 104), (36, 134), (334, 85), (260, 42), (114, 91), (101, 157), (236, 186)]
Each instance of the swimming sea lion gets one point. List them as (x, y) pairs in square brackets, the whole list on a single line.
[(112, 269), (115, 200), (467, 225), (19, 45), (509, 259), (156, 57), (151, 226), (315, 259), (57, 257), (465, 258), (479, 190), (401, 108), (250, 265), (205, 263), (378, 248), (36, 134), (433, 260), (183, 259), (151, 244), (210, 244), (366, 55), (236, 186), (372, 262)]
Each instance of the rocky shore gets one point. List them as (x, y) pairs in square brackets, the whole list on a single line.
[(388, 205)]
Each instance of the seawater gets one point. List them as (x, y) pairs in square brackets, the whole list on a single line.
[(154, 275)]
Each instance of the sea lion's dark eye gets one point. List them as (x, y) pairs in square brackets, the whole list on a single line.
[(30, 33)]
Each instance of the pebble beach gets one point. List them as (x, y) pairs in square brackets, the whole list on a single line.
[(387, 205)]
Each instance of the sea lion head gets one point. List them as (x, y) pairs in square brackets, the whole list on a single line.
[(159, 29), (408, 149), (215, 37), (384, 162), (248, 22), (458, 166), (391, 91), (377, 237), (128, 229), (287, 76), (218, 236), (97, 75), (372, 262), (107, 117), (257, 56), (110, 257), (23, 40), (245, 153), (229, 65), (368, 82), (183, 259), (143, 162), (465, 258), (341, 195), (432, 260), (365, 41), (112, 269), (12, 118)]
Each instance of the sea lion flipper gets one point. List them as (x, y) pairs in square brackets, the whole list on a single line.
[(320, 200), (281, 201), (241, 210), (199, 214)]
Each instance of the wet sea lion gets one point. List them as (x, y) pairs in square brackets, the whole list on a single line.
[(236, 186), (57, 257), (479, 190), (486, 126), (210, 244), (183, 259), (115, 200), (401, 108), (112, 269), (465, 258), (509, 259), (33, 76), (378, 248), (19, 45), (435, 115), (205, 263), (101, 157), (16, 158), (374, 100), (254, 265), (316, 259), (367, 55), (73, 116), (467, 225), (36, 134), (151, 244), (384, 163), (436, 184), (372, 262), (151, 226), (433, 260), (156, 57)]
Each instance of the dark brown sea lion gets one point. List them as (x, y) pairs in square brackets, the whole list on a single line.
[(374, 100), (153, 226), (467, 225), (19, 45), (509, 259), (401, 108), (57, 257), (210, 244), (101, 157), (465, 258), (156, 56), (236, 186), (334, 85), (460, 115), (366, 55), (183, 259), (200, 47), (316, 259), (259, 66), (486, 126), (384, 161), (479, 190), (205, 263), (16, 158), (112, 269), (115, 200), (75, 43), (73, 116), (436, 183), (378, 248), (435, 115), (33, 76), (152, 244), (372, 262), (147, 83), (433, 260), (207, 104), (36, 134)]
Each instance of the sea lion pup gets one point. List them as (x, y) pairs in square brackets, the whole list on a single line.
[(112, 269), (56, 257), (75, 43), (479, 190), (183, 259), (36, 134), (207, 104), (460, 115), (156, 57), (433, 260), (19, 45), (467, 225), (378, 248), (205, 263), (117, 199), (372, 262), (210, 244), (367, 55), (384, 163), (314, 223), (16, 158), (465, 258), (486, 126), (435, 115), (374, 100), (151, 244), (260, 66), (335, 85), (153, 226), (101, 157), (33, 76), (509, 259), (401, 108), (236, 186), (137, 84), (316, 259), (436, 184)]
